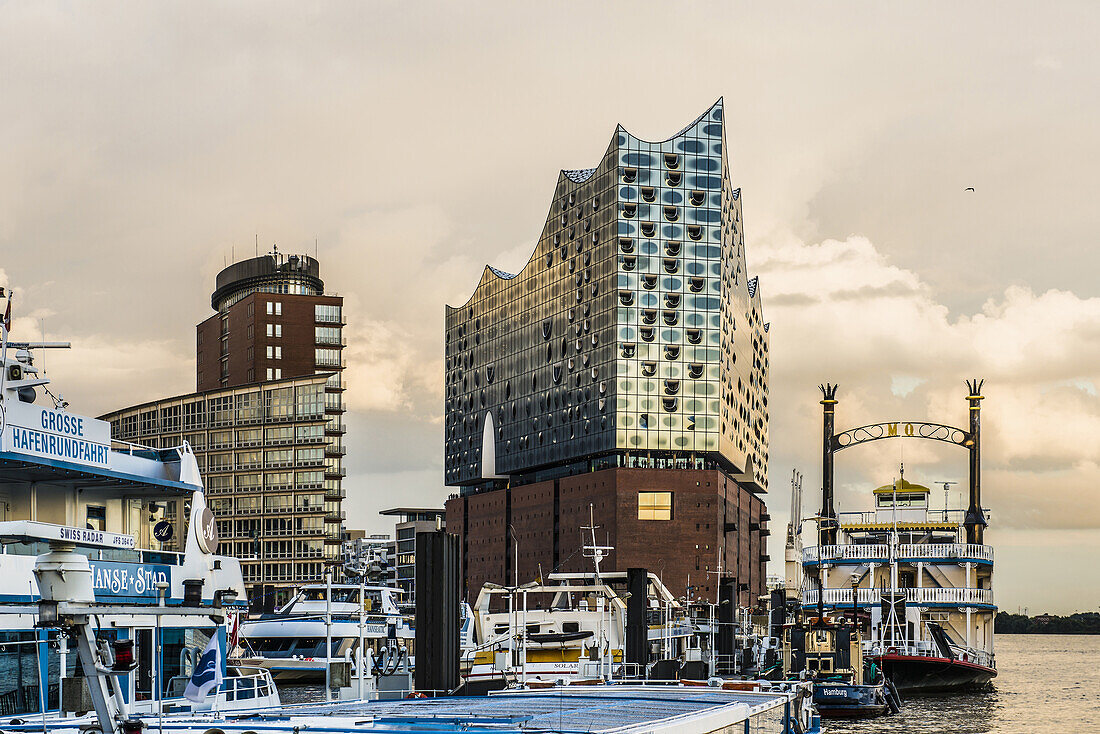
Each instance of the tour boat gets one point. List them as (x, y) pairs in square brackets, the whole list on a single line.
[(925, 592), (67, 487), (921, 578)]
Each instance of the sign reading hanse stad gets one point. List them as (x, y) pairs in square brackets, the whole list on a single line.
[(134, 580), (56, 434)]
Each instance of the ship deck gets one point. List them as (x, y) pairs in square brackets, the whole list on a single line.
[(567, 710)]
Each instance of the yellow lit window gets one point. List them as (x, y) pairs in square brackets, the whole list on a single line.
[(655, 505)]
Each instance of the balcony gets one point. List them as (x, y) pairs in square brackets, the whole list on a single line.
[(329, 341), (907, 552), (335, 493), (335, 451), (336, 515), (924, 597), (336, 427)]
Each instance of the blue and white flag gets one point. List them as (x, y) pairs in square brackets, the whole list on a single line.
[(207, 675)]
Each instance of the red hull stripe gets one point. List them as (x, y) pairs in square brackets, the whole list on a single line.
[(927, 659)]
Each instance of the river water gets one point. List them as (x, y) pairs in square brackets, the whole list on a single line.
[(1044, 683)]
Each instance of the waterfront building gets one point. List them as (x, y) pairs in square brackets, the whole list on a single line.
[(266, 423), (411, 520), (622, 375)]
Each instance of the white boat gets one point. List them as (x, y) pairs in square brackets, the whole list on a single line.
[(66, 486), (291, 642)]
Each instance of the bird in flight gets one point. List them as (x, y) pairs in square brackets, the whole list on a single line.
[(969, 188)]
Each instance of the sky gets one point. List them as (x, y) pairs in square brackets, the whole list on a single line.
[(145, 145)]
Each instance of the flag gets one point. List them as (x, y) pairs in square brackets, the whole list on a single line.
[(7, 316), (207, 675)]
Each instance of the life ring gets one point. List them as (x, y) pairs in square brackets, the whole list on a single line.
[(416, 694), (891, 651)]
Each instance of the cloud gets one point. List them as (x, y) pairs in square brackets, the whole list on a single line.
[(902, 355)]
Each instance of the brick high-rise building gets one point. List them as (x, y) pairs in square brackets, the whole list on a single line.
[(273, 321), (623, 369), (266, 422)]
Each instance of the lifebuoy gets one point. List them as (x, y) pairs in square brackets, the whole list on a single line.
[(891, 651)]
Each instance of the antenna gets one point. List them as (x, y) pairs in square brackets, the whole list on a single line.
[(257, 244), (596, 552), (42, 327), (946, 497)]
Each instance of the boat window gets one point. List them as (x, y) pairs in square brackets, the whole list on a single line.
[(570, 627)]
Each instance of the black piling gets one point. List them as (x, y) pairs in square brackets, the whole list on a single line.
[(637, 622), (437, 612)]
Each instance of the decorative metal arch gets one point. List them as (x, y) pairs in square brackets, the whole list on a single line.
[(901, 429), (832, 442)]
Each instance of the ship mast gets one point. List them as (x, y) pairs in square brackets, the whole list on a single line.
[(893, 624)]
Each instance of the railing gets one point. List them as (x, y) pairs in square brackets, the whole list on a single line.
[(960, 596), (906, 552), (924, 649)]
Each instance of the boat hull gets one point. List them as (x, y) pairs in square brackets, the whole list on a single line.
[(920, 674), (844, 701)]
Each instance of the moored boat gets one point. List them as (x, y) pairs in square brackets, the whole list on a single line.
[(920, 579)]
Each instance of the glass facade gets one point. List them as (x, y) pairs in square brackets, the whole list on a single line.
[(632, 331)]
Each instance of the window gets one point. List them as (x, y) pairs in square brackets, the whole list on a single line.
[(250, 331), (274, 308), (280, 435), (280, 403), (274, 352), (97, 517), (655, 505), (327, 334), (328, 357), (311, 400), (309, 433), (279, 457), (249, 459), (249, 482), (275, 330), (310, 455), (327, 314), (278, 373)]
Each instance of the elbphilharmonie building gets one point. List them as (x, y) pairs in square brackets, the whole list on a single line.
[(633, 338)]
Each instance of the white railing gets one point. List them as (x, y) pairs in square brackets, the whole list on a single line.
[(958, 596), (906, 552), (929, 649)]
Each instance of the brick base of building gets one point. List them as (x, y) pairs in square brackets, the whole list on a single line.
[(712, 515)]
